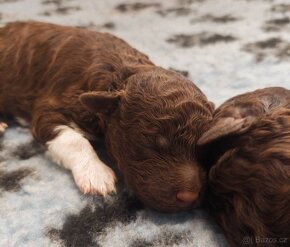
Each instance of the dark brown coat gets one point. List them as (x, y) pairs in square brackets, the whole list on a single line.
[(249, 178), (150, 117)]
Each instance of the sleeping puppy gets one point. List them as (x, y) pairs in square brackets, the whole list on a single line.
[(249, 179), (73, 85)]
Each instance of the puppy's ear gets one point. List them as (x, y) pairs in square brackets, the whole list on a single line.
[(101, 102), (226, 126)]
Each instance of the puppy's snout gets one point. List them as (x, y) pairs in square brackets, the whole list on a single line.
[(186, 198)]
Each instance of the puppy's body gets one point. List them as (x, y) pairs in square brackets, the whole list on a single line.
[(73, 85), (249, 181), (45, 68)]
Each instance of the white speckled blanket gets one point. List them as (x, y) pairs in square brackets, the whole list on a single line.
[(225, 46)]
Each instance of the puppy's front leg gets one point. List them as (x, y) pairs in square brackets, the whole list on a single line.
[(75, 153)]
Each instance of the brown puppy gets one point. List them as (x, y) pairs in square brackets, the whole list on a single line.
[(249, 181), (72, 85)]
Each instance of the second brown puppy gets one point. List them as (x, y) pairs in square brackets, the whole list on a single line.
[(249, 176)]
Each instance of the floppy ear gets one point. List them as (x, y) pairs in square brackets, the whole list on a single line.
[(226, 126), (100, 102)]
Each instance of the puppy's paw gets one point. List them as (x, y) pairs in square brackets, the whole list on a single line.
[(3, 126), (95, 178)]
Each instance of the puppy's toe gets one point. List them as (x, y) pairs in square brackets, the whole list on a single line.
[(3, 126), (95, 179)]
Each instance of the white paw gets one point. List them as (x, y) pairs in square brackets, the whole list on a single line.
[(3, 126), (95, 178)]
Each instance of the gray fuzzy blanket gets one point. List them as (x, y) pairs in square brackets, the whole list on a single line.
[(225, 46)]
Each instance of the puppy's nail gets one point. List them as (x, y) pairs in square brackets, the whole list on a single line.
[(3, 126)]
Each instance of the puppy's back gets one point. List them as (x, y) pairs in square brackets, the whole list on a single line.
[(39, 58)]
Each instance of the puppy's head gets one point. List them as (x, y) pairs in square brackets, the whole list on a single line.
[(249, 180), (155, 121)]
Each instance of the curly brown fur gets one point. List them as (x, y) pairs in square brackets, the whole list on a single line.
[(150, 117), (249, 181)]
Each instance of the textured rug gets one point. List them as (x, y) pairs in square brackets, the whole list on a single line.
[(225, 46)]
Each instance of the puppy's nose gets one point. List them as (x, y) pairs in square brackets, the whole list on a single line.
[(186, 197)]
